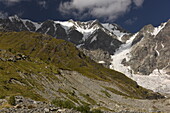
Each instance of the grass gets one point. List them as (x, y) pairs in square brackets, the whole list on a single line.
[(115, 91), (63, 103), (106, 93), (89, 99), (68, 104)]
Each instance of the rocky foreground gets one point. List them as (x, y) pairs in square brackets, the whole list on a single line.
[(26, 105)]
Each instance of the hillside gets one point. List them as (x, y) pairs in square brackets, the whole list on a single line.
[(43, 68)]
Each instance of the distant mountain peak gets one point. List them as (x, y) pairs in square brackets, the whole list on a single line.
[(76, 32)]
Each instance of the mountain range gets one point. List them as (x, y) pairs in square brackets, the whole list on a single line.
[(109, 44), (38, 61)]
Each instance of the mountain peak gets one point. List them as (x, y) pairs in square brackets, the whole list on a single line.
[(15, 17)]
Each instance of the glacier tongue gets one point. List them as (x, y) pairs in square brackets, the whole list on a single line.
[(120, 54), (157, 81)]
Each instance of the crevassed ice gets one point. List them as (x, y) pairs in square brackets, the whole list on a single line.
[(157, 81)]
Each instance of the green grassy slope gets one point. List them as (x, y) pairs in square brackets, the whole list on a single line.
[(45, 51)]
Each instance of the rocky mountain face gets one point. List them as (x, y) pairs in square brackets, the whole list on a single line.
[(152, 47), (83, 34), (145, 57), (43, 68)]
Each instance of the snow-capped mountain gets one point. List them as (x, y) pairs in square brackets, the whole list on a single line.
[(83, 34), (145, 57)]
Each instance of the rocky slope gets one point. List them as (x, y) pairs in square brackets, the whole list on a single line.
[(43, 68), (145, 57)]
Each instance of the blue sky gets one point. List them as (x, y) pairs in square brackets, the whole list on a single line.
[(130, 14)]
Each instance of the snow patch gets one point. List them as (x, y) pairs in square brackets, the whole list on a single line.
[(78, 46), (112, 28), (47, 31), (37, 25), (162, 45), (158, 29), (15, 17), (101, 62), (93, 39), (156, 49), (66, 25), (85, 29)]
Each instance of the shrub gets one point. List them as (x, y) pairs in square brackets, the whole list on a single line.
[(11, 100), (63, 104), (83, 109), (2, 97), (96, 111)]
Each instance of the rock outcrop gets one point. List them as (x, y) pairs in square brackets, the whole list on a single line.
[(150, 50)]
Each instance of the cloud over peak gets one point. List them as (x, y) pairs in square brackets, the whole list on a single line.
[(107, 9)]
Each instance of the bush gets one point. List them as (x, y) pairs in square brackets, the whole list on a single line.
[(11, 100), (96, 111), (63, 104), (2, 97), (70, 105), (83, 109)]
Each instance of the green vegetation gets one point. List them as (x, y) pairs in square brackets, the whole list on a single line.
[(83, 109), (11, 100), (62, 91), (115, 91), (63, 103), (90, 100), (68, 104), (106, 93)]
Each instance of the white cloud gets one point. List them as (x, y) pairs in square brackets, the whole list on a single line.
[(3, 15), (11, 2), (43, 4), (108, 9), (138, 2)]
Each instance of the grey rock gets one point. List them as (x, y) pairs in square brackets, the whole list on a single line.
[(150, 52)]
